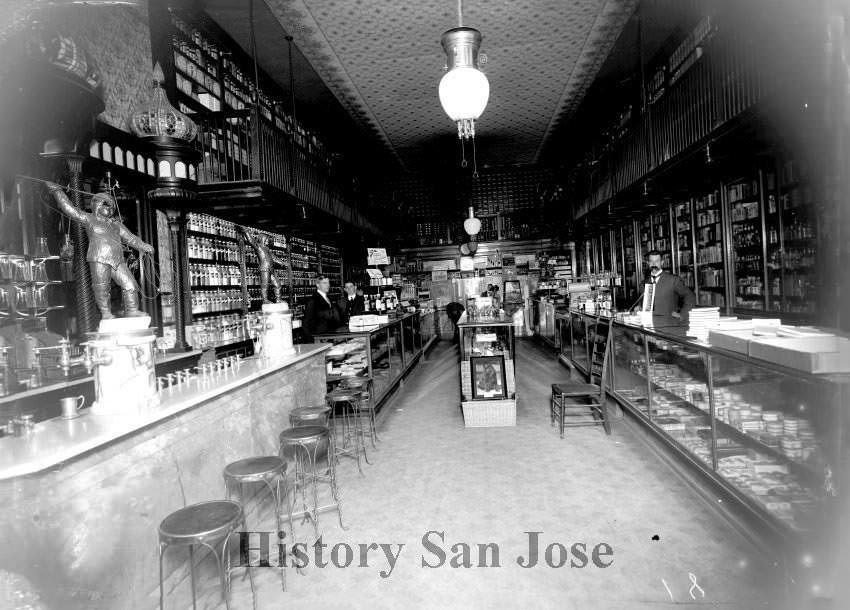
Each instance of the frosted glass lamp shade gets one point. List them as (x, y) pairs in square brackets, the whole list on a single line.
[(464, 92)]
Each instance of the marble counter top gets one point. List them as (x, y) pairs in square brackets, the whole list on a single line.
[(57, 440)]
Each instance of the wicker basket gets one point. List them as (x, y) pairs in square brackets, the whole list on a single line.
[(489, 413)]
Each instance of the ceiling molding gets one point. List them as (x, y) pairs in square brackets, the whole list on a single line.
[(297, 19), (606, 29)]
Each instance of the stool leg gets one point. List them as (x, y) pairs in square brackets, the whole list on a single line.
[(552, 409), (361, 435), (223, 571), (161, 593), (606, 423), (192, 572), (335, 492), (563, 406), (275, 491)]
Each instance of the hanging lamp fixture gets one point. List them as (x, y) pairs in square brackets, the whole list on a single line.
[(464, 89)]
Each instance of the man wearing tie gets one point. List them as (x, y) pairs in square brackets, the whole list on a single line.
[(351, 303), (320, 315), (671, 295)]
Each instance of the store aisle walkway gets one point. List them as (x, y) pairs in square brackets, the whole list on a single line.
[(493, 485)]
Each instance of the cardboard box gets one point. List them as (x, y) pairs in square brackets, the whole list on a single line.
[(813, 354), (733, 340)]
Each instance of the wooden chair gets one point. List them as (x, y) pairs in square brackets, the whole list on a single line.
[(566, 396)]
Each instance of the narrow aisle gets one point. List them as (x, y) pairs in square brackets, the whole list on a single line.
[(492, 485)]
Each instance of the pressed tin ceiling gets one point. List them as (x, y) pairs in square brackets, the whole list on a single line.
[(383, 60)]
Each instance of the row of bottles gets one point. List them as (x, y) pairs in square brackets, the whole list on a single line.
[(211, 249), (711, 278), (746, 235), (799, 258), (203, 223), (220, 330), (381, 304), (220, 300), (799, 230), (214, 275), (710, 255)]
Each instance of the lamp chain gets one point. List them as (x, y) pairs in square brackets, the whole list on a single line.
[(474, 160), (463, 162)]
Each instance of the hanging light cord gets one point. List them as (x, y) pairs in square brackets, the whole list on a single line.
[(460, 13), (474, 160), (254, 53)]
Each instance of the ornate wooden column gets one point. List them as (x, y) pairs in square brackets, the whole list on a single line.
[(169, 132), (177, 231)]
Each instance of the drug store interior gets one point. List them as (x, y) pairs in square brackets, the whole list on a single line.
[(475, 281)]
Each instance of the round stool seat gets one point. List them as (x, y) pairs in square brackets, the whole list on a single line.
[(202, 521), (255, 469), (302, 434), (310, 414), (344, 395), (355, 383)]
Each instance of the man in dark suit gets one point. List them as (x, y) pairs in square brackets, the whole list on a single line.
[(672, 296), (350, 303), (320, 315)]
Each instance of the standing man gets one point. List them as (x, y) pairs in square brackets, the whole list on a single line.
[(672, 296), (320, 315), (351, 303)]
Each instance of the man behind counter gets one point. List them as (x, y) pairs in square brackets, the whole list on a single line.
[(320, 315), (351, 303), (672, 296)]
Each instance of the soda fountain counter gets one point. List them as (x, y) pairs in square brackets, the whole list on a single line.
[(769, 441), (84, 496)]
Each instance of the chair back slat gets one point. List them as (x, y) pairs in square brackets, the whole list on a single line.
[(599, 358)]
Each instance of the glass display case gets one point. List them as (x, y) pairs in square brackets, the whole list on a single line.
[(487, 372), (768, 435), (384, 353), (545, 321)]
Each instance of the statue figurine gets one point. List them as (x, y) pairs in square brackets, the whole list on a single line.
[(268, 259), (105, 254)]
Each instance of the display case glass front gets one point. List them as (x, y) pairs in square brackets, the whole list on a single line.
[(380, 353), (770, 434), (487, 360)]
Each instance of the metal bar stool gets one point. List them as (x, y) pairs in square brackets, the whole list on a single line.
[(347, 425), (269, 470), (364, 385), (209, 524), (306, 447), (310, 416)]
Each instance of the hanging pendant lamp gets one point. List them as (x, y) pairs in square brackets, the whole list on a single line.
[(464, 89)]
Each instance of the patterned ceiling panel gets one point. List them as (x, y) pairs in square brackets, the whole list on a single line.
[(382, 59)]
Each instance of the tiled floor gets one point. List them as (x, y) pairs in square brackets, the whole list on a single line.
[(493, 485)]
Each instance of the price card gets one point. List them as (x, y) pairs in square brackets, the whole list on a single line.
[(486, 338), (377, 256)]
